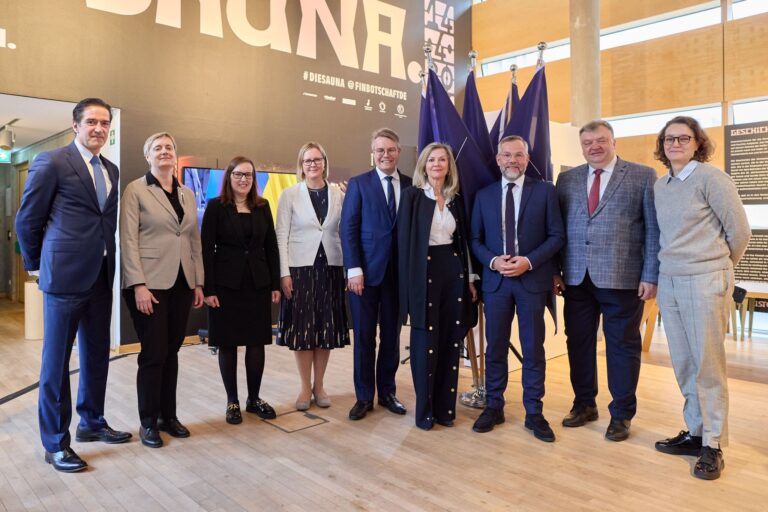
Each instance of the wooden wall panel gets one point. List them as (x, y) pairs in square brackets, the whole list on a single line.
[(670, 72), (746, 58), (640, 149), (493, 89), (504, 26)]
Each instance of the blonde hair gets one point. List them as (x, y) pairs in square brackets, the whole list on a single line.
[(152, 138), (300, 160), (451, 185)]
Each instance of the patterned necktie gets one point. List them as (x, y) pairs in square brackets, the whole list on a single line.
[(391, 206), (594, 192), (101, 184), (509, 220)]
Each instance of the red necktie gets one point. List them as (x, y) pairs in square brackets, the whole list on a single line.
[(594, 193)]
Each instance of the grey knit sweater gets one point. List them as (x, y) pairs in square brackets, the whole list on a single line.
[(703, 225)]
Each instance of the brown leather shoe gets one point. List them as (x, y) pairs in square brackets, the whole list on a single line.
[(618, 430), (580, 415), (710, 464)]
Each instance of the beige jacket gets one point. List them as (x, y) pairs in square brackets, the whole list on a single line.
[(152, 242)]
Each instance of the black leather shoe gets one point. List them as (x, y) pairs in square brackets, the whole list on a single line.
[(360, 409), (150, 436), (105, 434), (540, 427), (260, 408), (618, 430), (392, 403), (489, 418), (682, 444), (173, 427), (445, 423), (710, 464), (233, 416), (66, 461), (580, 415)]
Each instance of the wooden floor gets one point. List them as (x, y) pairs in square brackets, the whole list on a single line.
[(322, 461)]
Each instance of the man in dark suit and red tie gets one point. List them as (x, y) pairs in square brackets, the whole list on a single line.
[(609, 267), (368, 240), (66, 230), (516, 232)]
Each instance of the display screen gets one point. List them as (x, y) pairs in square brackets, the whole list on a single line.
[(206, 184)]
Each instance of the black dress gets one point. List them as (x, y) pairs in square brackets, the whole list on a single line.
[(241, 267), (316, 316)]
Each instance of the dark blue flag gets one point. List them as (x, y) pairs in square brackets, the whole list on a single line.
[(505, 115), (530, 120), (475, 120), (440, 122)]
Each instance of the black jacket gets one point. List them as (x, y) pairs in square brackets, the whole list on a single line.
[(226, 255), (414, 221)]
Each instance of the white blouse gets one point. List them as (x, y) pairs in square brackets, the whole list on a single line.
[(443, 227)]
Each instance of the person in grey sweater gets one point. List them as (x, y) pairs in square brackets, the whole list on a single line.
[(703, 234)]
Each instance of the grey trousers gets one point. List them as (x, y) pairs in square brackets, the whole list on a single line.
[(695, 312)]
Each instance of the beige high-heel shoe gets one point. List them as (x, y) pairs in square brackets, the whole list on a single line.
[(303, 405), (322, 401)]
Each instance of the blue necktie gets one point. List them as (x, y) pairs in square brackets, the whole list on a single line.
[(509, 220), (101, 184), (391, 206)]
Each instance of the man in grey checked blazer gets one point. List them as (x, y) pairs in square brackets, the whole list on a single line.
[(609, 266)]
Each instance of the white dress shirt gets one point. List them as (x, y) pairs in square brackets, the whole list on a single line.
[(444, 226), (87, 155), (605, 176), (517, 195)]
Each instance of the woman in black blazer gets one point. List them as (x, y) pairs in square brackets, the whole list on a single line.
[(436, 289), (242, 280)]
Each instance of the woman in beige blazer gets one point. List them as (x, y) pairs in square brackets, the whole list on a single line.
[(313, 313), (162, 268)]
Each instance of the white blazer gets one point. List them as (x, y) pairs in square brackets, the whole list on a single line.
[(299, 233)]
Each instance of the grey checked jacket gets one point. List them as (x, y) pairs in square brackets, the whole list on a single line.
[(619, 243)]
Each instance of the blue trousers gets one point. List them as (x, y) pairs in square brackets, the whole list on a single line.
[(500, 307), (88, 315), (622, 311), (377, 305)]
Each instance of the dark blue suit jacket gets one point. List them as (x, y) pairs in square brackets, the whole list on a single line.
[(540, 233), (367, 232), (61, 230)]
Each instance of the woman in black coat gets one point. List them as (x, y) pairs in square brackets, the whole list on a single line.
[(436, 288), (242, 280)]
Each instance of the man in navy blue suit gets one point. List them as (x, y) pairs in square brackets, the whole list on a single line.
[(516, 232), (66, 230), (369, 244)]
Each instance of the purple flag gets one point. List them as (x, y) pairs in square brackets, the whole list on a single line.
[(474, 119), (440, 122), (530, 121)]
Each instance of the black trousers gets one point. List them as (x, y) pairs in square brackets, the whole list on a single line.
[(161, 335), (435, 349)]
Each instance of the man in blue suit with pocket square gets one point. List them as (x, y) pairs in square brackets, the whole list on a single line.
[(609, 267), (516, 232), (369, 244), (66, 230)]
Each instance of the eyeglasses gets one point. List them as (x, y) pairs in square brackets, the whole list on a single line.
[(247, 176), (682, 140), (388, 151), (317, 161), (510, 156)]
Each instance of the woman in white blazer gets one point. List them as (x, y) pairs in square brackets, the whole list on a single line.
[(162, 268), (313, 312)]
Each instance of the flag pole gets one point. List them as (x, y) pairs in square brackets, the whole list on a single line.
[(428, 55), (472, 60), (540, 62)]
